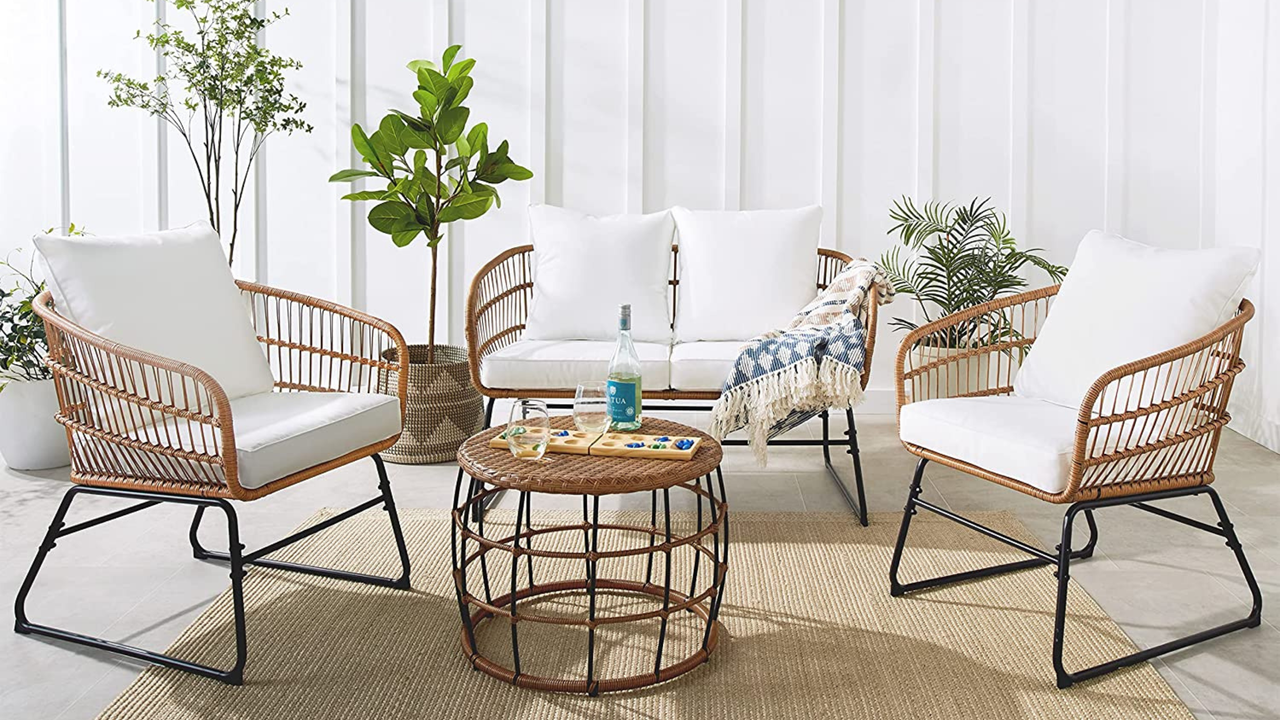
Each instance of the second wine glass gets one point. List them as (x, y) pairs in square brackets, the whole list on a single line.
[(591, 407)]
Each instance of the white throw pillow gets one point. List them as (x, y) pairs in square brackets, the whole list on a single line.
[(1123, 301), (744, 273), (168, 293), (585, 266)]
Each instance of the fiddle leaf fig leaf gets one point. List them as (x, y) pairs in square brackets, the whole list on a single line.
[(449, 55), (451, 123), (467, 206), (385, 216), (350, 175)]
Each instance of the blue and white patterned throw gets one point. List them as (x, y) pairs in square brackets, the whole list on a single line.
[(785, 377)]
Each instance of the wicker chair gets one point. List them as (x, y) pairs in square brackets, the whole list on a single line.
[(1145, 431), (179, 446), (498, 304)]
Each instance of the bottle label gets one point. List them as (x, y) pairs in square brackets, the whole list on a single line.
[(622, 401)]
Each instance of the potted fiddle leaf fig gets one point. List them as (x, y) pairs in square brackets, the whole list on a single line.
[(958, 256), (433, 167)]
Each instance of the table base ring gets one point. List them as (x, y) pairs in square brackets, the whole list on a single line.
[(599, 685)]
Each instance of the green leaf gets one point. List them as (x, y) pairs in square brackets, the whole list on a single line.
[(449, 55), (352, 174), (385, 217), (464, 147), (404, 237), (460, 91), (466, 207), (418, 66), (505, 171), (366, 195), (478, 136), (451, 123), (515, 172), (427, 101), (413, 122), (481, 188), (435, 82), (392, 130), (361, 143), (460, 70)]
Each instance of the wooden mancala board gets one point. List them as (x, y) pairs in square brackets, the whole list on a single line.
[(576, 442)]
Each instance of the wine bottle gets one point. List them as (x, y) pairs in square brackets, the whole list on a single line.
[(624, 378)]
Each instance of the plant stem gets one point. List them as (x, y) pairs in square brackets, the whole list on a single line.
[(431, 322)]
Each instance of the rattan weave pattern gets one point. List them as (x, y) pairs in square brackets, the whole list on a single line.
[(587, 474)]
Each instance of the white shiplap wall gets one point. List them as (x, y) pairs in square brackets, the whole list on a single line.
[(1159, 119)]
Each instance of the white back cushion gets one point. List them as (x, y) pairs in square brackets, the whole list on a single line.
[(1124, 301), (168, 293), (744, 273), (586, 266)]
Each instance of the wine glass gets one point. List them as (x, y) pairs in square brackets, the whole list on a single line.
[(591, 407), (529, 429)]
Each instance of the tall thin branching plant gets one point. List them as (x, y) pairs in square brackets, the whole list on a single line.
[(221, 90)]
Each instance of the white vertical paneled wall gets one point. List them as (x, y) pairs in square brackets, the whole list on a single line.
[(1159, 119)]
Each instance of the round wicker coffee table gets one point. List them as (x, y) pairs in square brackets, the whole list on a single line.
[(504, 573)]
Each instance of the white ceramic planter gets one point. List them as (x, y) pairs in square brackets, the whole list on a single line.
[(972, 375), (30, 439)]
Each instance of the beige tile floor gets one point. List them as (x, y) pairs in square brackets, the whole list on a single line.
[(134, 579)]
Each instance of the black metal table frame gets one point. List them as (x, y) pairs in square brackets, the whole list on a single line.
[(466, 514)]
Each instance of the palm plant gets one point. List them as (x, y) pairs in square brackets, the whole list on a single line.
[(958, 256)]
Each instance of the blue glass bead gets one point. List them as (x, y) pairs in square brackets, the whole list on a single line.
[(664, 438), (635, 445), (684, 444), (563, 433)]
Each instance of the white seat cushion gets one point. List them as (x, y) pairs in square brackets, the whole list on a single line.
[(1025, 439), (584, 267), (169, 293), (1123, 301), (743, 274), (562, 364), (703, 365), (277, 434)]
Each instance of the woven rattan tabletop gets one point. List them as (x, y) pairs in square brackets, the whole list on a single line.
[(587, 474)]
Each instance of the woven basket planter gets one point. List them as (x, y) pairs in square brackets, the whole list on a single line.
[(442, 409)]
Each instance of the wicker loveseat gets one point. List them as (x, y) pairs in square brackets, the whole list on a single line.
[(498, 305)]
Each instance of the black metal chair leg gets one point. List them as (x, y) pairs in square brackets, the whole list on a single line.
[(852, 432), (1038, 557), (58, 528), (50, 541), (859, 505), (258, 557), (895, 588), (389, 505), (1224, 529)]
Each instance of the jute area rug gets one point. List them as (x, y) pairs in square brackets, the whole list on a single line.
[(810, 632)]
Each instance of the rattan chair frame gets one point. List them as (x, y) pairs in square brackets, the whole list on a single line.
[(498, 305), (155, 430), (1147, 430)]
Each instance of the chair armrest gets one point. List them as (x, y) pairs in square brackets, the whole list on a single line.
[(497, 306), (976, 352), (135, 419), (1157, 421), (320, 346)]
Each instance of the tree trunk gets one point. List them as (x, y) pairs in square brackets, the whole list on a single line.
[(431, 318)]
